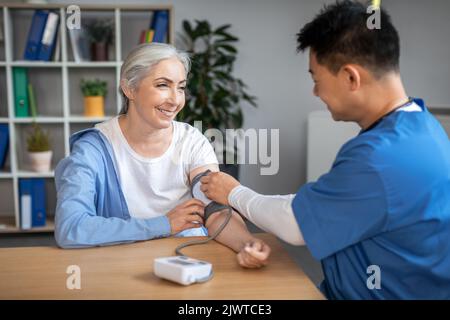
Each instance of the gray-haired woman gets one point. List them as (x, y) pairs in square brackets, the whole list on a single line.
[(128, 178)]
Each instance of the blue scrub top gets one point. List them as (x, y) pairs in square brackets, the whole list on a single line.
[(384, 203)]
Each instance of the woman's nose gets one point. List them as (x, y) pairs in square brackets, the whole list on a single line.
[(175, 96)]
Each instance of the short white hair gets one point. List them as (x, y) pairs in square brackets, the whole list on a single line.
[(139, 62)]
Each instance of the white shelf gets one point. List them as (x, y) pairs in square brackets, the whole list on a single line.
[(83, 119), (106, 64), (5, 175), (34, 64), (58, 95), (39, 120), (31, 174), (8, 225)]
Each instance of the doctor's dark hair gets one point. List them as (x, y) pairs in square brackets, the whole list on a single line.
[(139, 62), (339, 35)]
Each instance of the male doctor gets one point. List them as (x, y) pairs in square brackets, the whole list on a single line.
[(384, 206)]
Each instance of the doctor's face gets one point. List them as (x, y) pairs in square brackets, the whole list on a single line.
[(331, 89), (161, 95)]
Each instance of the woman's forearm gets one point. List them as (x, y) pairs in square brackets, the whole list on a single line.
[(235, 235)]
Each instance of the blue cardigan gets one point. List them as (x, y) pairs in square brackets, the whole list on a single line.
[(91, 209)]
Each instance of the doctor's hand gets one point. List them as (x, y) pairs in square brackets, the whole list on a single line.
[(254, 254), (186, 215), (217, 186)]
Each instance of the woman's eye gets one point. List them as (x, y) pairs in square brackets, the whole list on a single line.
[(161, 85), (182, 88)]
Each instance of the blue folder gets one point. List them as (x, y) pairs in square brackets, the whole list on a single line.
[(35, 33), (160, 23), (35, 187), (4, 144)]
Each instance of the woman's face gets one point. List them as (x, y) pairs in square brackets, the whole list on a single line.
[(161, 95)]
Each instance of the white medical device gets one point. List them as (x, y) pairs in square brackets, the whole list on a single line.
[(182, 269)]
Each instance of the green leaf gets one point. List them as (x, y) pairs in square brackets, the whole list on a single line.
[(187, 27), (227, 36), (221, 29), (227, 47)]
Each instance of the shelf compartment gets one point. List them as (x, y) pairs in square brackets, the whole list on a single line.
[(56, 132), (89, 16), (20, 26), (76, 99), (47, 104)]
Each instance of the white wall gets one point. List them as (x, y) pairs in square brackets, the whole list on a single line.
[(268, 63)]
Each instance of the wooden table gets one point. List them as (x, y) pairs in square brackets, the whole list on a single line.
[(126, 272)]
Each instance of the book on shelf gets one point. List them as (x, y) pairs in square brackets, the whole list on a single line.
[(42, 36), (20, 82), (80, 45), (160, 24), (146, 36), (32, 100), (32, 203), (158, 28), (4, 144)]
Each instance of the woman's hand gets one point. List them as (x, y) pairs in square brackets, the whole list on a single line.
[(186, 215), (217, 186), (254, 254)]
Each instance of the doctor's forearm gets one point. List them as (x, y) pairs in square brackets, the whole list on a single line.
[(271, 213)]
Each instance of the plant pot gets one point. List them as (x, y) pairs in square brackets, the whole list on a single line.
[(99, 51), (40, 161), (94, 106)]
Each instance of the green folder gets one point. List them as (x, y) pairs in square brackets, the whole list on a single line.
[(20, 92)]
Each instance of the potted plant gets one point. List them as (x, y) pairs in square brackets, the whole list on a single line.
[(100, 34), (214, 95), (94, 92), (39, 149)]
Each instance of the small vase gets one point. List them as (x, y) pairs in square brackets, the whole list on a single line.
[(40, 161), (99, 51), (94, 106)]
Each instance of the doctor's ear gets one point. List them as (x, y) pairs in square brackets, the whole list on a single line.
[(127, 91), (352, 76)]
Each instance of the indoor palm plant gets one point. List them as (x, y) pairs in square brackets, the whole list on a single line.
[(94, 92), (39, 149), (214, 94)]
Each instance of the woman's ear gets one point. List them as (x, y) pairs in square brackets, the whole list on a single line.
[(129, 93), (352, 77)]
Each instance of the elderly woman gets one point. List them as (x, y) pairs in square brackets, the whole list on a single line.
[(128, 178)]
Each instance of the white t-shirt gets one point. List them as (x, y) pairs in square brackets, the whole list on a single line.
[(154, 186)]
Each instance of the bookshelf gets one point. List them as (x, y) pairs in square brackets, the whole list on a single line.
[(56, 86)]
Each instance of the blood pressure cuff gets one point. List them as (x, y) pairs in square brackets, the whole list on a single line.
[(211, 206)]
